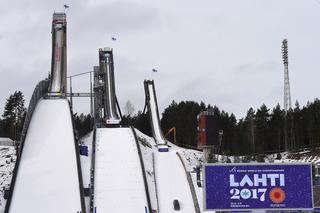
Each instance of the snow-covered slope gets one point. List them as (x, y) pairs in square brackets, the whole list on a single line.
[(118, 178), (171, 183), (166, 176), (47, 179)]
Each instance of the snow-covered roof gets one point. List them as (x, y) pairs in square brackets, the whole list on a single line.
[(6, 142), (5, 139)]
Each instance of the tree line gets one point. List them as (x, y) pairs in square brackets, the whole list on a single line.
[(262, 130)]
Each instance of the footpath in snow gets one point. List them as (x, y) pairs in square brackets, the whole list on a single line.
[(118, 178)]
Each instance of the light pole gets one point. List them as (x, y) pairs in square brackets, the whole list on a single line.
[(91, 92)]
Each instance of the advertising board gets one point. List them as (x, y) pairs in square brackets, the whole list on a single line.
[(258, 186)]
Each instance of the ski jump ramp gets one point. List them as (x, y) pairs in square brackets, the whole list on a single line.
[(171, 178), (152, 104), (118, 178), (48, 175)]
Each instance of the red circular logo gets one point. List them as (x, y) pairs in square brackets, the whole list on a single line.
[(277, 195)]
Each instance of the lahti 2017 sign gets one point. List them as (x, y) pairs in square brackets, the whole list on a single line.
[(258, 186)]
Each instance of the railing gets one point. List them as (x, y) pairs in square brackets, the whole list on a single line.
[(93, 151), (38, 93), (142, 168)]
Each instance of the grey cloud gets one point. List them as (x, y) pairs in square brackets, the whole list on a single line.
[(254, 67), (222, 52), (116, 17)]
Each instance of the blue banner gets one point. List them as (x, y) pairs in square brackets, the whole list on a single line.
[(258, 186)]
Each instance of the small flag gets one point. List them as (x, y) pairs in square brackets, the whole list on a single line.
[(66, 6), (154, 70), (113, 39)]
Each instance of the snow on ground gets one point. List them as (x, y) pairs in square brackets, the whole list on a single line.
[(283, 157), (304, 156), (47, 180), (172, 183), (194, 158), (86, 160), (146, 146), (7, 162), (191, 158), (118, 179)]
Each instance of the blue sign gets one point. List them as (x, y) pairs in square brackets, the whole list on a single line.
[(258, 186), (84, 150)]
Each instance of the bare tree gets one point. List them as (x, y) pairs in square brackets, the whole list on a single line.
[(128, 108)]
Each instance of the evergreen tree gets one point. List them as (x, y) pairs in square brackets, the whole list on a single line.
[(83, 124), (250, 129), (276, 129), (142, 122), (261, 131), (262, 127), (13, 116), (297, 120), (183, 116), (2, 129)]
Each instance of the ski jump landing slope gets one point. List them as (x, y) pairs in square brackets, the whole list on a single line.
[(48, 178), (172, 183), (118, 178)]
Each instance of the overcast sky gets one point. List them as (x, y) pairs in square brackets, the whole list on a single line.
[(223, 52)]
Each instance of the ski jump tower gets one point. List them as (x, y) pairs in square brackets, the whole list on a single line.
[(47, 175), (152, 104), (106, 103), (58, 79)]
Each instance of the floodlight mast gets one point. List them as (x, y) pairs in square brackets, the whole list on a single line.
[(287, 98), (287, 95)]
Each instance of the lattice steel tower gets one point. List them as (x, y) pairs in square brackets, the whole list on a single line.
[(287, 98), (287, 95)]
